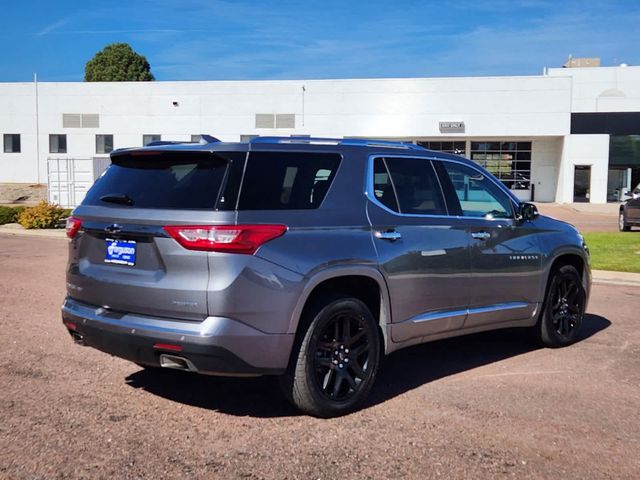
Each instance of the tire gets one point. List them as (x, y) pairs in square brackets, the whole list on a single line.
[(622, 224), (563, 308), (335, 361)]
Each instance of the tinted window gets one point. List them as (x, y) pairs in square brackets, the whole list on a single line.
[(414, 184), (104, 143), (11, 143), (287, 180), (57, 144), (382, 187), (179, 180), (477, 194)]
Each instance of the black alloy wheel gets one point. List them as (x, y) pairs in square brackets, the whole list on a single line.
[(567, 305), (564, 308), (341, 360), (335, 360)]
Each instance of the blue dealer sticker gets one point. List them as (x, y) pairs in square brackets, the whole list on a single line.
[(122, 252)]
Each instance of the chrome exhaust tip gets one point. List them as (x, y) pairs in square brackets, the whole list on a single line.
[(78, 339), (177, 363)]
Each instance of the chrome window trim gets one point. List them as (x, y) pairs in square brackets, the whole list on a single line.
[(369, 187)]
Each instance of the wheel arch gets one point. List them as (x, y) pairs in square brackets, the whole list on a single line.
[(365, 283), (577, 260), (568, 258)]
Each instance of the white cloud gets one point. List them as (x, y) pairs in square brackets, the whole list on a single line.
[(51, 28)]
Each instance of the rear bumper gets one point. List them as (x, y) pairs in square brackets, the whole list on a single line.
[(217, 345)]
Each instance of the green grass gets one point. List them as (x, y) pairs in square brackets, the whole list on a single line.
[(619, 251)]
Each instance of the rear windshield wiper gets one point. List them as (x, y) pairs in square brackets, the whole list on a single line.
[(121, 198)]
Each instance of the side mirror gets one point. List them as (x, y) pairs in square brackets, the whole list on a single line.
[(527, 212), (626, 194)]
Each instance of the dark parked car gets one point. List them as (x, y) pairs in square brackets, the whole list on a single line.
[(310, 259), (629, 215)]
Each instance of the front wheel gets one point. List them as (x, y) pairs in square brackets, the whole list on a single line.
[(622, 224), (563, 309), (335, 364)]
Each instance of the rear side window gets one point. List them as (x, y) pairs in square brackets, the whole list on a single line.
[(176, 180), (287, 180), (408, 185)]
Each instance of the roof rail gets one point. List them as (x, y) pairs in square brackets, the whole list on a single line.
[(356, 142)]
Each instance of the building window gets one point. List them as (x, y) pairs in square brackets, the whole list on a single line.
[(147, 139), (508, 161), (57, 143), (11, 143), (457, 148), (104, 143)]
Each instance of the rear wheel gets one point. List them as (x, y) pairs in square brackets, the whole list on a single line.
[(563, 309), (335, 364), (622, 223)]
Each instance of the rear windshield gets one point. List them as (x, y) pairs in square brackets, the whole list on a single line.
[(287, 180), (179, 180)]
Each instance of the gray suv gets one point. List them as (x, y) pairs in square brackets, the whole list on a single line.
[(309, 259)]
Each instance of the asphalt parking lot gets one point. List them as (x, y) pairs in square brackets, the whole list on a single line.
[(586, 217), (486, 406)]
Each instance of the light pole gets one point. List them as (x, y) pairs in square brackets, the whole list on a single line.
[(35, 81), (303, 90)]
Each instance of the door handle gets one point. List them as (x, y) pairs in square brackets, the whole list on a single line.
[(481, 235), (388, 235)]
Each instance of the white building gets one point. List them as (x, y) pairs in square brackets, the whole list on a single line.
[(571, 134)]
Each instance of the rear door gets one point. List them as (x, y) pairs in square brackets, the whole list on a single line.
[(422, 252), (123, 259)]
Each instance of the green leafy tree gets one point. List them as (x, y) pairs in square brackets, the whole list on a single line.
[(118, 62)]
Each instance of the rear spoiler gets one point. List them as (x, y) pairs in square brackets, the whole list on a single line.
[(204, 140)]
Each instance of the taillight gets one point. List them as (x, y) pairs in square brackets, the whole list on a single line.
[(73, 225), (225, 238)]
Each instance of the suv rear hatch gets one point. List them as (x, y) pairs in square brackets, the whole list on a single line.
[(123, 258)]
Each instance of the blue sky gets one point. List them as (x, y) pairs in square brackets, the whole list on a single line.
[(227, 39)]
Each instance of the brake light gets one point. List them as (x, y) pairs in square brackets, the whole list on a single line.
[(225, 238), (73, 225)]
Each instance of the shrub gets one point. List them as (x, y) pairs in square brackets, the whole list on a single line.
[(9, 214), (43, 215)]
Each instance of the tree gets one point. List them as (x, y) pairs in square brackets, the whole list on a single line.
[(118, 62)]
